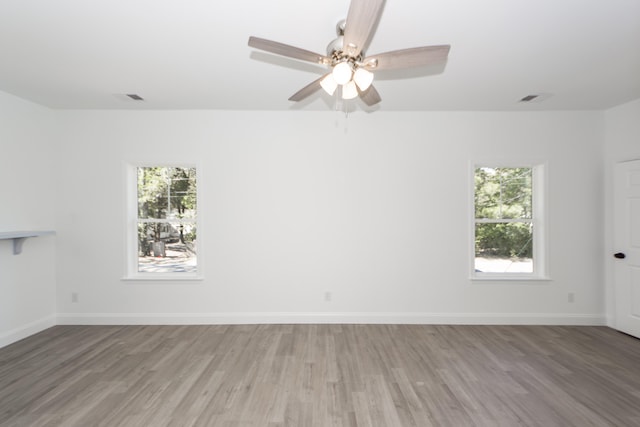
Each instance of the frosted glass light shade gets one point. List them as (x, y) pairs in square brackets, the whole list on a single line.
[(349, 91), (363, 78), (342, 73), (329, 84)]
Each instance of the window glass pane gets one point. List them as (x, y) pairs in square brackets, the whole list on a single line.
[(504, 248), (167, 247), (503, 193), (182, 194), (166, 192)]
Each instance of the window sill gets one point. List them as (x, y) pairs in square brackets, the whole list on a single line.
[(508, 278), (163, 278)]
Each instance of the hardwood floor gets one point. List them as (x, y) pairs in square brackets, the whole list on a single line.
[(321, 375)]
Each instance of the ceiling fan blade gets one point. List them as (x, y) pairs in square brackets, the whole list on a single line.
[(362, 17), (286, 50), (407, 58), (308, 90), (370, 96)]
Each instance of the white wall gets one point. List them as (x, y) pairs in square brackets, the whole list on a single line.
[(622, 142), (373, 208), (27, 202)]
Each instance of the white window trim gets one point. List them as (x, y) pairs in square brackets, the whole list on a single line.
[(539, 221), (131, 226)]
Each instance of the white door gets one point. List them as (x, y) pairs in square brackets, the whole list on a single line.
[(627, 247)]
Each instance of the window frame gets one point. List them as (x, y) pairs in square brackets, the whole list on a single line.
[(131, 225), (538, 220)]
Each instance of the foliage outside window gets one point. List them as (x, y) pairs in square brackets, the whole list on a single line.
[(504, 226), (166, 220)]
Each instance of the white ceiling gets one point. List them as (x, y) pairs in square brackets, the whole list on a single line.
[(193, 54)]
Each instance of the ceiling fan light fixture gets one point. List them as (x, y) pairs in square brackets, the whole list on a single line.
[(347, 64), (342, 73), (329, 84), (363, 78), (349, 90)]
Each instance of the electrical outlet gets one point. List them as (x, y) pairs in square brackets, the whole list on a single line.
[(327, 296), (74, 297), (571, 297)]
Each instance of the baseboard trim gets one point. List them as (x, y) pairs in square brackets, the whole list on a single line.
[(27, 330), (333, 318)]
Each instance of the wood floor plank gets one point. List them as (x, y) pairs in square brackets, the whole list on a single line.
[(321, 375)]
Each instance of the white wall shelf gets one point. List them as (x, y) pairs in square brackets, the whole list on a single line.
[(19, 237)]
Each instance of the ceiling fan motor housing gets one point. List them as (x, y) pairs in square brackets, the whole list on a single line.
[(335, 46), (337, 53), (336, 49)]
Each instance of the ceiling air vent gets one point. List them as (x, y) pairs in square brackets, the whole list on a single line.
[(536, 97), (135, 97), (527, 98)]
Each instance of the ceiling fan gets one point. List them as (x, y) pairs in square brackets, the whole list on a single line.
[(349, 67)]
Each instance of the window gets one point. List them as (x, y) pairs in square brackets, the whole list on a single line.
[(508, 222), (163, 226)]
